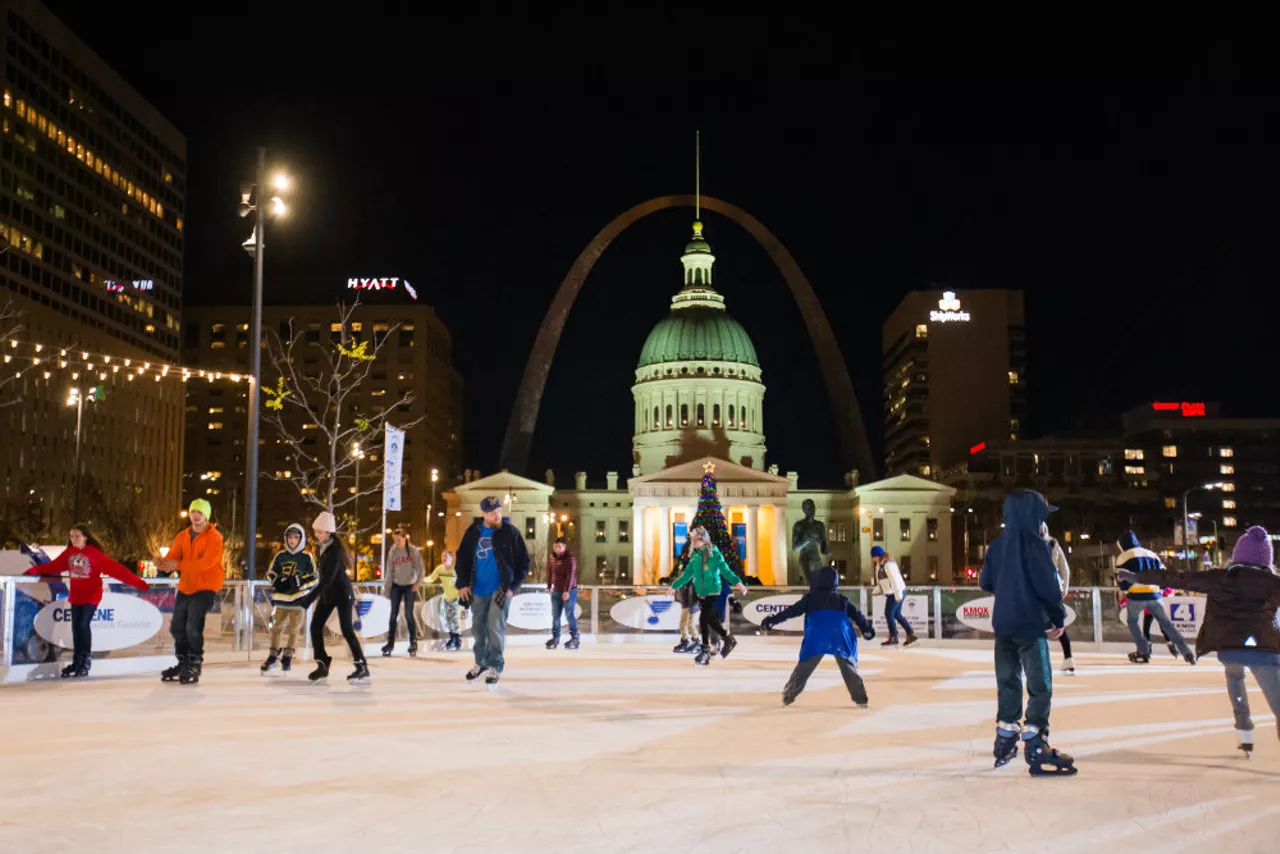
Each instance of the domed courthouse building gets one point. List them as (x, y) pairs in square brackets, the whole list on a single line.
[(699, 400)]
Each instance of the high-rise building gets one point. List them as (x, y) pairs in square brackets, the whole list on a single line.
[(418, 358), (954, 377), (91, 204)]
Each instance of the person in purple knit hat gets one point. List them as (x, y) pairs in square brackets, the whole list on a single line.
[(1240, 622)]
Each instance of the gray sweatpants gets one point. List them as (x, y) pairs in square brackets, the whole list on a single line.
[(1268, 676)]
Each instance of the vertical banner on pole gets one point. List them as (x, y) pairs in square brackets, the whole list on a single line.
[(392, 458)]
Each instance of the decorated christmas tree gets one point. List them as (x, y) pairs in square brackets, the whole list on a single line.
[(710, 515)]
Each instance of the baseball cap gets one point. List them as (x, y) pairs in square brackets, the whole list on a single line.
[(489, 503)]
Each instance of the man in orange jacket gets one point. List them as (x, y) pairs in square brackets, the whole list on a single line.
[(196, 555)]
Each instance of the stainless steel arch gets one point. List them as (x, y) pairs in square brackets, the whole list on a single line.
[(852, 434)]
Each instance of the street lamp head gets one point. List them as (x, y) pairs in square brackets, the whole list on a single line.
[(281, 181), (278, 207)]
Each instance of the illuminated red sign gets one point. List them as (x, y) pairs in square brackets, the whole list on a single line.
[(1187, 410), (978, 448)]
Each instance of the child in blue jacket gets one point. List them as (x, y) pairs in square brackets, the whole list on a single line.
[(826, 632)]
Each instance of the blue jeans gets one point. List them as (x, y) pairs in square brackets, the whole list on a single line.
[(489, 626), (1013, 657), (558, 607), (893, 616), (1156, 608)]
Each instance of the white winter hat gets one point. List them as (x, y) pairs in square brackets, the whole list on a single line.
[(325, 522)]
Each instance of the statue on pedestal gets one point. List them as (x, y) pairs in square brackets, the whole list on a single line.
[(809, 541)]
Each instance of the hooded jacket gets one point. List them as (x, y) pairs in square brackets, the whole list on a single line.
[(406, 567), (706, 574), (1241, 610), (826, 618), (1134, 558), (86, 566), (1019, 570), (293, 572), (199, 558)]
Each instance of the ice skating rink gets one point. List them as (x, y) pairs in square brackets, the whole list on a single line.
[(628, 748)]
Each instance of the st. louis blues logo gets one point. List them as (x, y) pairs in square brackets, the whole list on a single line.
[(362, 609), (658, 607)]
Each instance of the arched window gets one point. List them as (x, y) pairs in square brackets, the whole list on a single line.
[(732, 421), (702, 414), (656, 419), (669, 424), (684, 415), (715, 415)]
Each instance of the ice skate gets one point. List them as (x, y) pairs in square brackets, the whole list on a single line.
[(553, 643), (455, 642), (1173, 650), (82, 669), (789, 694), (413, 648), (573, 643), (729, 643), (694, 647), (270, 662), (171, 674), (322, 669), (361, 674), (1043, 760), (1069, 666), (703, 658), (1244, 742), (491, 677), (286, 662), (893, 641), (1189, 658), (1139, 658), (70, 669), (387, 650), (1006, 747), (475, 673), (681, 647), (190, 674), (910, 640)]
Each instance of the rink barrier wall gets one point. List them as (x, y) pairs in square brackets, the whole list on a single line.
[(238, 626)]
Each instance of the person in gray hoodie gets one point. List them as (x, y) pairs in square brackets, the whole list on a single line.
[(404, 570)]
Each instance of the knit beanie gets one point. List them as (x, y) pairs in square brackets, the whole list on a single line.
[(1254, 546)]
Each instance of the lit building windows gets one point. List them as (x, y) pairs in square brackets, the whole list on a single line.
[(1226, 468), (1133, 453), (1170, 451), (926, 470), (215, 425), (684, 415), (1135, 470), (1229, 521), (215, 410), (1170, 503), (1013, 378), (922, 329), (1228, 504), (904, 530), (1228, 486), (1226, 452)]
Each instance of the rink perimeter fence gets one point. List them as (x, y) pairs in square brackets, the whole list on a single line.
[(131, 627)]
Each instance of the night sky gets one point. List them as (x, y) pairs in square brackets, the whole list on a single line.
[(477, 159)]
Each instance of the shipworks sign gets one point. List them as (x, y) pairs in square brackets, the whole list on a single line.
[(948, 310)]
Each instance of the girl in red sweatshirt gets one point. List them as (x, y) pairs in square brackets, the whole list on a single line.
[(84, 561)]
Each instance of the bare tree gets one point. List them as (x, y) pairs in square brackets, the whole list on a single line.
[(314, 418)]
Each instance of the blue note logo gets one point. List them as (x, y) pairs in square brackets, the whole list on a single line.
[(658, 607)]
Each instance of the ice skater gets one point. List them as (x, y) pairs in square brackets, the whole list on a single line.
[(889, 582), (826, 613), (85, 562), (1135, 559), (493, 562), (447, 578), (687, 598), (562, 585), (706, 570), (292, 577), (196, 555), (1064, 581), (1028, 604), (333, 593), (401, 585), (1240, 622)]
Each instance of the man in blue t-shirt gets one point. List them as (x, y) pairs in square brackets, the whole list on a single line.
[(492, 563)]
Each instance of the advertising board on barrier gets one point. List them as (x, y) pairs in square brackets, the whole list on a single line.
[(433, 615), (915, 610), (1185, 612), (976, 613), (659, 613), (532, 611), (120, 621), (758, 609), (371, 617)]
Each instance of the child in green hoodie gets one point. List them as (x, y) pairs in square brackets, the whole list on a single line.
[(707, 570)]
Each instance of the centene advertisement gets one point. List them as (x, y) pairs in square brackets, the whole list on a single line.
[(976, 613), (371, 618), (915, 610), (757, 610), (659, 613), (532, 611), (120, 621)]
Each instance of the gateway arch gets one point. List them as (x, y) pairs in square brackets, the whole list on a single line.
[(855, 452)]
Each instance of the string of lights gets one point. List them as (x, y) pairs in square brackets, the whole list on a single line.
[(22, 356)]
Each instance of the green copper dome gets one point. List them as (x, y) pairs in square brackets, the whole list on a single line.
[(698, 333)]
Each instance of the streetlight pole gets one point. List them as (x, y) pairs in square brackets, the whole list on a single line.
[(1186, 518), (78, 399), (255, 373), (359, 455)]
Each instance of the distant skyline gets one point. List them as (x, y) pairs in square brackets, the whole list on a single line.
[(1139, 218)]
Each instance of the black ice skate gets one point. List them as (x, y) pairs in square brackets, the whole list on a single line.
[(360, 674), (491, 677), (386, 650), (1043, 760), (322, 669), (910, 640), (703, 658), (270, 662), (1139, 658), (413, 648), (572, 643), (171, 674), (82, 669), (1189, 658), (553, 643), (455, 642), (1006, 747), (475, 673), (890, 642), (1173, 650), (286, 662), (729, 643), (683, 646), (694, 647), (70, 669), (190, 674)]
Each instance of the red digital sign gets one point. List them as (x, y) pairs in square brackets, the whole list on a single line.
[(978, 448), (1185, 409)]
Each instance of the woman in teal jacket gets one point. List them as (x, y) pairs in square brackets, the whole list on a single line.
[(707, 570)]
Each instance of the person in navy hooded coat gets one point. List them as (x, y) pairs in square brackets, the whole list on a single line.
[(827, 631)]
